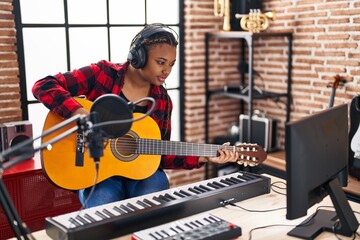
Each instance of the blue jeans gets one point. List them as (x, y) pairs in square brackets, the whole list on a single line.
[(119, 188)]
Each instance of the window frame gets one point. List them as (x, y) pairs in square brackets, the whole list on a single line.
[(21, 56)]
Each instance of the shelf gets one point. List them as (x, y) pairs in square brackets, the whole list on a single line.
[(252, 92), (277, 161), (246, 97), (242, 34)]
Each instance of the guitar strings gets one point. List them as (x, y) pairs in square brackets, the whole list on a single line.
[(129, 146), (135, 145), (149, 144)]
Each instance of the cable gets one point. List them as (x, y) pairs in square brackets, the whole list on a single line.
[(250, 210), (93, 187), (87, 198), (268, 226), (103, 132), (275, 185), (268, 210)]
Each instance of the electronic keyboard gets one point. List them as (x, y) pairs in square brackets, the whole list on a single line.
[(203, 226), (130, 215)]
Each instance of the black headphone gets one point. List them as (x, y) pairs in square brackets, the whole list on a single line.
[(138, 54)]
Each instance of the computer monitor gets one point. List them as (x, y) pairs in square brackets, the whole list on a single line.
[(316, 149)]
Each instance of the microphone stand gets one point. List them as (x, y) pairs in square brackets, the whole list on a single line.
[(96, 145), (22, 152)]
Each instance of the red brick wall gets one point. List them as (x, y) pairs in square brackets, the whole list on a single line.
[(10, 109), (326, 42), (326, 35)]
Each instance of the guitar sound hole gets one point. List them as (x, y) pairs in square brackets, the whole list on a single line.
[(124, 148)]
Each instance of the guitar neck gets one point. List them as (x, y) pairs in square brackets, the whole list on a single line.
[(161, 147)]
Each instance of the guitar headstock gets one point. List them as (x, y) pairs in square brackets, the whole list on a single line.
[(250, 154), (338, 81)]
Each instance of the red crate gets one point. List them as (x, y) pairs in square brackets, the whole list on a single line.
[(34, 197)]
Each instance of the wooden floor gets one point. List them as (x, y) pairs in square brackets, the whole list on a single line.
[(276, 160)]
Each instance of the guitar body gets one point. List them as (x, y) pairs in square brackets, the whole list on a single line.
[(354, 163), (135, 155), (59, 163)]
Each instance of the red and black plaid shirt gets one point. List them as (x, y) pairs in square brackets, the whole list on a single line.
[(56, 93)]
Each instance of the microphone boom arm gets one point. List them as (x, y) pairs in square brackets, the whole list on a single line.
[(19, 148), (23, 151)]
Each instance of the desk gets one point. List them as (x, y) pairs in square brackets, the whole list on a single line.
[(276, 160), (249, 220)]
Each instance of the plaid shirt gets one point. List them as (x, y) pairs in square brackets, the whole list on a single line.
[(56, 93)]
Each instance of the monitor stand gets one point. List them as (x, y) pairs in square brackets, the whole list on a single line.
[(342, 222)]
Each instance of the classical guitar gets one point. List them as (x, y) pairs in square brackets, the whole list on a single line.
[(338, 81), (354, 138), (135, 155)]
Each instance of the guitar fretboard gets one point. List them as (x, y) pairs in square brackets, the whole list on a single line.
[(160, 147)]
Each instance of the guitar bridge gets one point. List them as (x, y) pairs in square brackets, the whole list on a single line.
[(80, 149)]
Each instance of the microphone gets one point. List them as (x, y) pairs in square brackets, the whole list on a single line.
[(110, 117), (109, 108), (96, 145), (113, 108)]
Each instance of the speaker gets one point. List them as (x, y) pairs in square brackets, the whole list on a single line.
[(138, 54), (14, 133)]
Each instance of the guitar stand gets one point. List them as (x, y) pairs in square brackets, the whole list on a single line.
[(22, 152)]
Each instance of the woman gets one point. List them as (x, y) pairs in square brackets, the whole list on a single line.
[(150, 60)]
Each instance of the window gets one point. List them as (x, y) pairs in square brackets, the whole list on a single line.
[(60, 35)]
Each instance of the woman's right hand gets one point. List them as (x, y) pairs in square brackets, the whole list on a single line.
[(81, 111)]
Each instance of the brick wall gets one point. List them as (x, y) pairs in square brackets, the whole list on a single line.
[(326, 35), (10, 107), (326, 42)]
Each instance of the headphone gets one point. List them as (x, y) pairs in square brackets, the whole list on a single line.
[(138, 54)]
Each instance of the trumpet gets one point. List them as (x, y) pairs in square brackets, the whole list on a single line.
[(255, 21), (222, 9)]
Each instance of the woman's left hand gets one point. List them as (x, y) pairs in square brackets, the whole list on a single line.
[(224, 156)]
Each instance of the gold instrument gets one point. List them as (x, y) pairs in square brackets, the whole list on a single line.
[(255, 21), (222, 9)]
